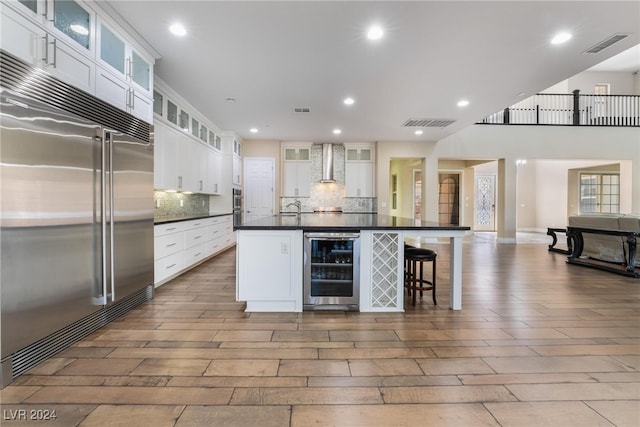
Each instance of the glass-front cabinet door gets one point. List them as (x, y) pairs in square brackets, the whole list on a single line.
[(112, 49), (30, 4), (158, 103), (120, 55), (140, 71), (60, 16), (73, 20)]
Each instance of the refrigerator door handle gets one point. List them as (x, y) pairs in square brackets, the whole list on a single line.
[(103, 216), (109, 142)]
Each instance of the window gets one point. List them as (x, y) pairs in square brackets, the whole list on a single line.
[(599, 192)]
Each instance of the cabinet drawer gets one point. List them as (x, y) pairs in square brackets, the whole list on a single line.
[(195, 237), (220, 243), (215, 231), (197, 223), (195, 254), (162, 229), (168, 266), (168, 244)]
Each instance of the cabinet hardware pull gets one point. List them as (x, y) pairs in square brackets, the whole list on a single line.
[(55, 52), (171, 244), (197, 237), (172, 228), (46, 48), (171, 266)]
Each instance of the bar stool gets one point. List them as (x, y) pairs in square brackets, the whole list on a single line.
[(416, 282)]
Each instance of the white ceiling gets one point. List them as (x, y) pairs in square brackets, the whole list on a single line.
[(272, 57)]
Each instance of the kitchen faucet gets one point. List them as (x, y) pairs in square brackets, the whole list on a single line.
[(297, 204)]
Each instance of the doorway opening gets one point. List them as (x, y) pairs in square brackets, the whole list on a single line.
[(449, 198), (417, 194)]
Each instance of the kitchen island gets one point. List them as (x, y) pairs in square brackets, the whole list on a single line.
[(270, 258)]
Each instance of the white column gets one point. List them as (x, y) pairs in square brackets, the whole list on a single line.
[(507, 203), (455, 267)]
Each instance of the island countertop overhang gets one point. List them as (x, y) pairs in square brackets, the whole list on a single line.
[(342, 222)]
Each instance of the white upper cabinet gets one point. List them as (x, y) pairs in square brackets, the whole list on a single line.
[(165, 158), (72, 41), (236, 166), (125, 77), (55, 36), (296, 170), (187, 155), (359, 170)]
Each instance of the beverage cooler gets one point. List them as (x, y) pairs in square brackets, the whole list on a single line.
[(331, 271)]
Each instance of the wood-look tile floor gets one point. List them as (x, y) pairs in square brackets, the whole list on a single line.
[(538, 343)]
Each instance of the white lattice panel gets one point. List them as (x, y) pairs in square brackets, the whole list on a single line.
[(384, 270)]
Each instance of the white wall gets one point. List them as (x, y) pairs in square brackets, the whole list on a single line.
[(621, 83)]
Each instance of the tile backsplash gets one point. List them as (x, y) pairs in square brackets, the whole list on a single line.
[(329, 194), (170, 205)]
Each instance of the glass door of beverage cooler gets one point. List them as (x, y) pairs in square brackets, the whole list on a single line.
[(332, 266)]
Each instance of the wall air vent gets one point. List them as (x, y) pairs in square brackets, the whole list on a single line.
[(301, 110), (428, 123), (606, 43)]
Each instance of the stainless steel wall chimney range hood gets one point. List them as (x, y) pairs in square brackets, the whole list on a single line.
[(327, 163)]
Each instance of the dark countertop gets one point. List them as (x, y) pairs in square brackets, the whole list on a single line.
[(167, 220), (341, 222)]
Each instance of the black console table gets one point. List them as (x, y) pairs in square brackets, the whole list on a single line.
[(552, 247), (628, 246)]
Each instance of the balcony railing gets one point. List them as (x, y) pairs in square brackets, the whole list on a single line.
[(571, 110)]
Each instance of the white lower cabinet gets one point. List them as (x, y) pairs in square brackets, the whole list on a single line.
[(180, 246), (167, 267), (273, 280)]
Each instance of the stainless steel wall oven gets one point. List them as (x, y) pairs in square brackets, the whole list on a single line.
[(331, 271)]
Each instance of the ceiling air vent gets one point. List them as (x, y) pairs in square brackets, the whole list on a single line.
[(301, 110), (606, 43), (428, 123)]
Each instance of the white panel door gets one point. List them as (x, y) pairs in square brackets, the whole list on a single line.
[(259, 187)]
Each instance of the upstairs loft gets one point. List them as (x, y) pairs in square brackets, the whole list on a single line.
[(571, 110)]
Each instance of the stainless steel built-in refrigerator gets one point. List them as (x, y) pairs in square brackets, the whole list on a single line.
[(76, 216)]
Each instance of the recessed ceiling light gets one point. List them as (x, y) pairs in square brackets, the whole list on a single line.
[(463, 103), (337, 131), (253, 130), (560, 38), (419, 132), (375, 32), (178, 29), (349, 101)]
